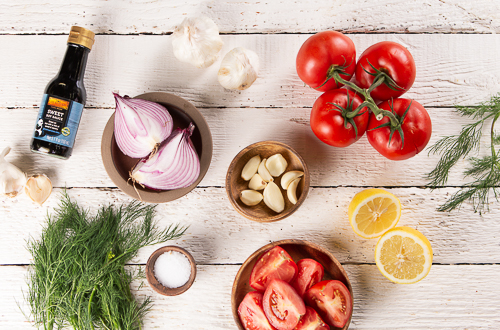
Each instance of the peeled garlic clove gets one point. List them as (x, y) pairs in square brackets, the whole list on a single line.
[(257, 183), (12, 179), (273, 197), (292, 191), (263, 172), (251, 197), (250, 168), (288, 177), (276, 165), (238, 69), (38, 188), (196, 41)]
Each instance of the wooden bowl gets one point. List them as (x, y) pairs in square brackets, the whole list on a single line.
[(157, 286), (298, 250), (118, 165), (235, 184)]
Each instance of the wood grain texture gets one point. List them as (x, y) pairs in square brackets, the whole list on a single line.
[(451, 69), (232, 130), (451, 297), (366, 16), (218, 234)]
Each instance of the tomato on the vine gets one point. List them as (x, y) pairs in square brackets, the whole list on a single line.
[(415, 125), (283, 305), (320, 54), (274, 263), (388, 59), (329, 118)]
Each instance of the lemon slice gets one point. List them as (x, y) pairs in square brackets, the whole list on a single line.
[(374, 211), (403, 255)]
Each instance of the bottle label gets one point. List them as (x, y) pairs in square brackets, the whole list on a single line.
[(58, 120)]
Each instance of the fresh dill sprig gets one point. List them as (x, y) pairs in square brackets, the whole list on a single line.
[(485, 171), (78, 276)]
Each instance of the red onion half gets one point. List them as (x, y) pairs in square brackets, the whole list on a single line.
[(175, 165), (140, 126)]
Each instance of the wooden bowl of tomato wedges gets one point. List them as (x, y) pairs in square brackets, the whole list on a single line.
[(292, 284)]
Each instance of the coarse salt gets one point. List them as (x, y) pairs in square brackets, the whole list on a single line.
[(172, 269)]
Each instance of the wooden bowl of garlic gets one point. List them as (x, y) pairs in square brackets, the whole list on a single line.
[(119, 166), (267, 181)]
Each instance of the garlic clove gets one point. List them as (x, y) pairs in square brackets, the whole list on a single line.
[(238, 69), (274, 198), (276, 165), (251, 197), (257, 183), (288, 177), (292, 191), (38, 188), (197, 41), (263, 172), (250, 168), (12, 179)]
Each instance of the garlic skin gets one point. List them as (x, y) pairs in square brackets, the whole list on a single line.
[(196, 41), (239, 69), (12, 179), (38, 188)]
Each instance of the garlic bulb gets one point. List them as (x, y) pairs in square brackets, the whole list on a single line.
[(196, 40), (38, 188), (12, 179), (239, 69)]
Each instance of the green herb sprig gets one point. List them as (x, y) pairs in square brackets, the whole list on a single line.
[(484, 171), (78, 277)]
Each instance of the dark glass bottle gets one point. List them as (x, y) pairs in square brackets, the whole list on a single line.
[(64, 99)]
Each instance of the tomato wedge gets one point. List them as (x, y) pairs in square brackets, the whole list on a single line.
[(251, 313), (274, 263), (332, 300), (311, 321), (283, 305), (309, 273)]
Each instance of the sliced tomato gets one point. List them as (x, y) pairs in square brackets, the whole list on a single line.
[(251, 313), (309, 273), (311, 321), (274, 263), (332, 300), (283, 305)]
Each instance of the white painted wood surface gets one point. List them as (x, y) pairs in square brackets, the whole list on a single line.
[(133, 54)]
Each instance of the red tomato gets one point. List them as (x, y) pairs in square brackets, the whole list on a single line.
[(322, 51), (332, 300), (274, 263), (282, 305), (251, 313), (416, 127), (311, 321), (391, 58), (330, 125), (309, 273)]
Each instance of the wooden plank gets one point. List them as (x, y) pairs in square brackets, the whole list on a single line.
[(232, 130), (451, 69), (381, 16), (451, 296), (219, 235)]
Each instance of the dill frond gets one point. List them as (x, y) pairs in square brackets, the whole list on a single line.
[(78, 276), (485, 171)]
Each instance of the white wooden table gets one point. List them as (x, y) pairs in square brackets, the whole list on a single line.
[(456, 52)]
